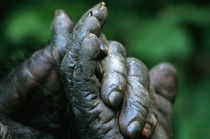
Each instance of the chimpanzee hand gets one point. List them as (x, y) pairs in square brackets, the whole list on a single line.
[(96, 86), (33, 91), (92, 79), (32, 94)]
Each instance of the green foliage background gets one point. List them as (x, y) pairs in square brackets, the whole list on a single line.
[(153, 31)]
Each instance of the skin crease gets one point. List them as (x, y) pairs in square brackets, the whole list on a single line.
[(33, 98), (136, 110), (32, 94)]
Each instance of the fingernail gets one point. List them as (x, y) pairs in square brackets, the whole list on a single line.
[(104, 11), (147, 130), (134, 129), (100, 12), (115, 99)]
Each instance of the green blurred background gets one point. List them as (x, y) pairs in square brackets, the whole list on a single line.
[(177, 31)]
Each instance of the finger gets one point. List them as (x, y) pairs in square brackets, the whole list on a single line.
[(93, 118), (99, 11), (87, 55), (163, 78), (61, 28), (151, 120), (160, 133), (164, 113), (164, 106), (114, 78), (136, 99), (89, 23), (102, 54), (101, 14), (163, 129), (35, 71)]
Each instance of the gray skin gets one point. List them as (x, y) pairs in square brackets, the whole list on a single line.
[(163, 78), (95, 75), (95, 100), (32, 94)]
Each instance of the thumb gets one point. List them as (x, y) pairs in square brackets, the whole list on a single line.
[(61, 28)]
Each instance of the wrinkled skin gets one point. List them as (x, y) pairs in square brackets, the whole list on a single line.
[(103, 94), (32, 94)]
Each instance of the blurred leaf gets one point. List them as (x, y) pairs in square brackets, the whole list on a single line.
[(159, 40), (207, 39), (28, 23), (34, 22), (191, 110)]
